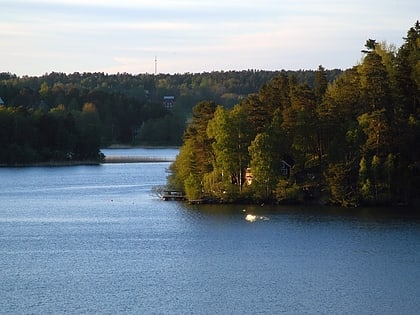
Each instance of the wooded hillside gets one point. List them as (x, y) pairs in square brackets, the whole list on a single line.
[(45, 118), (353, 141)]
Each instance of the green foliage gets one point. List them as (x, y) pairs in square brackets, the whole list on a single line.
[(195, 157), (231, 138), (341, 181), (182, 167), (193, 187), (320, 84), (126, 103), (288, 192), (165, 130), (354, 139), (29, 136), (263, 166)]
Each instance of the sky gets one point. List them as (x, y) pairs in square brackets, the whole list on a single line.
[(111, 36)]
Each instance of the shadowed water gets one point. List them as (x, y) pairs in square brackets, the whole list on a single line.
[(93, 239)]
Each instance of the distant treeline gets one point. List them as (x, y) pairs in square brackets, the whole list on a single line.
[(30, 135), (354, 141), (69, 116)]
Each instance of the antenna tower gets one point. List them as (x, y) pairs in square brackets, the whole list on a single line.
[(155, 65)]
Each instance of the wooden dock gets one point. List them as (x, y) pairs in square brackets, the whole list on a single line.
[(173, 195)]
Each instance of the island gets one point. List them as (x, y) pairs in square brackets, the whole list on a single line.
[(351, 142)]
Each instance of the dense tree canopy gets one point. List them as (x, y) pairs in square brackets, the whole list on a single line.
[(351, 141), (29, 135), (45, 113)]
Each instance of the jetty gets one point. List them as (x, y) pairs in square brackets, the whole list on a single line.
[(174, 195), (136, 159)]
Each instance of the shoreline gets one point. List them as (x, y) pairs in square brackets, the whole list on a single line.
[(106, 160), (52, 164), (129, 146), (136, 159)]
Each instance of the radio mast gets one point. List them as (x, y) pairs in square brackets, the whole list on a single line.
[(155, 65)]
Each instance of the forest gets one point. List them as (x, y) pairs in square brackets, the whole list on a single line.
[(353, 141), (68, 117)]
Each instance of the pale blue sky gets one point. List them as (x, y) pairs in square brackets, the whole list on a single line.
[(40, 36)]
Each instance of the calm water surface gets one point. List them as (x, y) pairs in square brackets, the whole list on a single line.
[(94, 239)]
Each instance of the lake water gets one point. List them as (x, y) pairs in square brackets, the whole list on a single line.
[(95, 240)]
